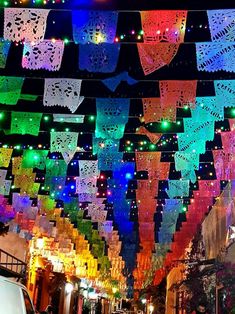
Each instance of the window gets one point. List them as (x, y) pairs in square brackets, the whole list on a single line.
[(28, 305)]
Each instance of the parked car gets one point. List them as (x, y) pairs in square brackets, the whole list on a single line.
[(14, 298)]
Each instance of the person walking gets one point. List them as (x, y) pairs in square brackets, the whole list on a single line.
[(201, 308)]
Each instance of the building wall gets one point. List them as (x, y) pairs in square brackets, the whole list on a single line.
[(14, 245), (175, 276), (230, 256), (216, 224)]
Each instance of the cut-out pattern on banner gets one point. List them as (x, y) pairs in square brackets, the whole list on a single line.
[(64, 141), (178, 188), (224, 161), (94, 26), (186, 161), (208, 109), (215, 56), (224, 164), (155, 111), (112, 115), (145, 161), (104, 145), (3, 174), (88, 168), (24, 24), (225, 92), (147, 186), (231, 124), (195, 135), (155, 56), (25, 183), (178, 93), (202, 130), (99, 58), (34, 158), (45, 55), (222, 26), (63, 93), (170, 215), (228, 141), (110, 161), (97, 213), (25, 123), (189, 174), (55, 168), (86, 185), (165, 25), (107, 153), (190, 143), (150, 161), (209, 188), (10, 89), (4, 49), (6, 187), (17, 166)]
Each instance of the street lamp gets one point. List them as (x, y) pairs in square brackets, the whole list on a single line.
[(68, 287), (144, 302)]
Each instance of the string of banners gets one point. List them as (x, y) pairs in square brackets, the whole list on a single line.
[(94, 31)]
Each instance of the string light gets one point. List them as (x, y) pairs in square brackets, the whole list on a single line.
[(233, 111), (165, 124), (92, 118)]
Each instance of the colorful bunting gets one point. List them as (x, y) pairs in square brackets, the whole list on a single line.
[(221, 25), (208, 109), (91, 208), (34, 158), (88, 168), (112, 114), (63, 93), (155, 56), (25, 24), (177, 93), (64, 142), (5, 187), (186, 161), (25, 123), (4, 49), (94, 26), (55, 168), (5, 156), (156, 111), (45, 55), (225, 92), (10, 89), (215, 56), (167, 26), (178, 188), (99, 58)]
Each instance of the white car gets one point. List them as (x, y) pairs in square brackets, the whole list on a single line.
[(14, 298)]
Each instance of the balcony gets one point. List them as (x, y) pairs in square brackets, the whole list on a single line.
[(10, 266)]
